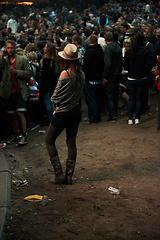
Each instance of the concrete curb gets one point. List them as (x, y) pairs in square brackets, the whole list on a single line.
[(5, 190)]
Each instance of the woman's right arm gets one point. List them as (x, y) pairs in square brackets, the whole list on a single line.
[(41, 63)]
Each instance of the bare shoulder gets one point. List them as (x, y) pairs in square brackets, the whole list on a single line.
[(63, 74)]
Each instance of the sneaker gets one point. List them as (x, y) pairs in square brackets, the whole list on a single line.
[(111, 119), (2, 145), (130, 122), (137, 121), (14, 139), (23, 141)]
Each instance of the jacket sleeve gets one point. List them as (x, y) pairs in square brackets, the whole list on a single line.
[(106, 22), (107, 62), (24, 70)]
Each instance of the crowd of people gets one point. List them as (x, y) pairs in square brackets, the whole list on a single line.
[(118, 43)]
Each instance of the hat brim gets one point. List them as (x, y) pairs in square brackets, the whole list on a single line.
[(62, 55)]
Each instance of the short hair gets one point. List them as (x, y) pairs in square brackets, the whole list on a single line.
[(30, 47), (93, 39), (32, 56), (109, 36), (77, 38), (125, 25), (11, 42)]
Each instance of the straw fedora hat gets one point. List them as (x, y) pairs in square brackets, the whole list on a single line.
[(70, 52)]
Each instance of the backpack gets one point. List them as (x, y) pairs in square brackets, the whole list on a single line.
[(102, 20), (33, 84)]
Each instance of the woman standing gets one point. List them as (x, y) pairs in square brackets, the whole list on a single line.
[(67, 112), (138, 62), (48, 78)]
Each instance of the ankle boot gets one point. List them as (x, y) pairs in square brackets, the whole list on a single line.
[(70, 165), (59, 178)]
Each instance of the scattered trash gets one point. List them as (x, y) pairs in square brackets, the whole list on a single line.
[(14, 160), (33, 127), (20, 183), (39, 198), (34, 198), (26, 172), (11, 154), (45, 200), (42, 131), (114, 191)]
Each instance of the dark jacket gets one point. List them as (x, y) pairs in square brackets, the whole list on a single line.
[(93, 63), (48, 77), (140, 65), (113, 60)]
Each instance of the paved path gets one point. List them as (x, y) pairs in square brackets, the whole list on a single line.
[(5, 190)]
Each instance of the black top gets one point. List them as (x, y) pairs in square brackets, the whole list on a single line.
[(140, 65), (93, 63), (48, 76)]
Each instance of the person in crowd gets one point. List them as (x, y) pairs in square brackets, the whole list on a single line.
[(87, 33), (126, 46), (150, 80), (102, 20), (77, 40), (101, 39), (157, 45), (149, 34), (93, 69), (67, 112), (32, 23), (123, 29), (5, 89), (157, 72), (112, 74), (12, 24), (138, 62), (20, 73), (34, 109), (48, 78)]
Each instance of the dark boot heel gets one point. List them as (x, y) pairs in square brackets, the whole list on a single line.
[(59, 178), (69, 171)]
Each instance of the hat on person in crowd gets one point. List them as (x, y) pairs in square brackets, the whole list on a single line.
[(70, 52)]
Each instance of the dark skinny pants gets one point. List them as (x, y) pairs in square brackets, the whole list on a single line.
[(52, 134), (70, 123)]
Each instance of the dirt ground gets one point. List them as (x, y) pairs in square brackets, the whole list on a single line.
[(109, 154)]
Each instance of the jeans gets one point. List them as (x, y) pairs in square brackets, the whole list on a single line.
[(112, 90), (136, 90), (93, 98), (48, 105)]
